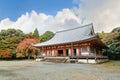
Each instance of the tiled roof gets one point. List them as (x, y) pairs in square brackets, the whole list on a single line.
[(70, 35)]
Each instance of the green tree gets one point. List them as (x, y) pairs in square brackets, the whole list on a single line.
[(10, 38), (36, 34), (112, 40), (116, 30), (47, 36), (29, 35), (101, 35)]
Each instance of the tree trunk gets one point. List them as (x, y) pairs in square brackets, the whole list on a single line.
[(29, 56)]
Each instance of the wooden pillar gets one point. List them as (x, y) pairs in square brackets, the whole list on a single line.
[(55, 52), (45, 51), (64, 52), (72, 51), (79, 51), (50, 52), (88, 48), (42, 51), (95, 51)]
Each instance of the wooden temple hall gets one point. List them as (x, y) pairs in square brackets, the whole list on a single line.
[(78, 43)]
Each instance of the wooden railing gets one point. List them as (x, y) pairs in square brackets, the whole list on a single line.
[(89, 57)]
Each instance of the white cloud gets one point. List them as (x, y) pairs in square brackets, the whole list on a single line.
[(104, 14), (6, 23), (29, 21)]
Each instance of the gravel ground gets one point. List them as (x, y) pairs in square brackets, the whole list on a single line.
[(31, 70)]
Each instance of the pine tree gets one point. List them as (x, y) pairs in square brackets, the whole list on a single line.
[(36, 34)]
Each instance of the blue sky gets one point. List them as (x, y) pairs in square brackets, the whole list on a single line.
[(55, 15), (15, 8)]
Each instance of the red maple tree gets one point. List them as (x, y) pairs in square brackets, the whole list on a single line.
[(25, 47)]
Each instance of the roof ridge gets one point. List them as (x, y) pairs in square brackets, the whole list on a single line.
[(74, 28)]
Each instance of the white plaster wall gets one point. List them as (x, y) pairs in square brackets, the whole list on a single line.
[(47, 53), (91, 61), (43, 54), (82, 60), (77, 50), (53, 52), (84, 53), (92, 54), (85, 60), (69, 52)]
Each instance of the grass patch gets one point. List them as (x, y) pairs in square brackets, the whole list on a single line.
[(112, 64)]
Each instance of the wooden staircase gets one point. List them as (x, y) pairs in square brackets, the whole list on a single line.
[(56, 59)]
